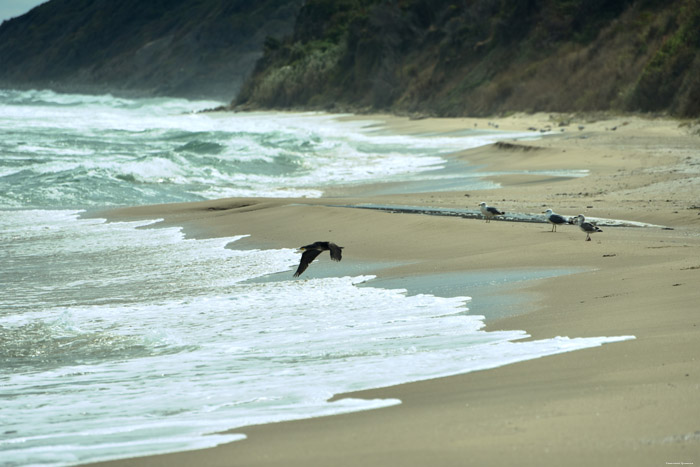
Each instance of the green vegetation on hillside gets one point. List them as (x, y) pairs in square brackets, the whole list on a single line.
[(478, 57), (430, 57)]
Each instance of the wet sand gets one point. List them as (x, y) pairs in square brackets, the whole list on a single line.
[(630, 403)]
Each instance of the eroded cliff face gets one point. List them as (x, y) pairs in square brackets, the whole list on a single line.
[(452, 58), (198, 49)]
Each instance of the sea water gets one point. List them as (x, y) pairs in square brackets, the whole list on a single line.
[(118, 339)]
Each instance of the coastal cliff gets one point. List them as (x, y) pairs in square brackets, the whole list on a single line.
[(455, 58), (417, 57)]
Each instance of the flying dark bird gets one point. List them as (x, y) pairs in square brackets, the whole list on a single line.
[(489, 211), (556, 219), (315, 249), (587, 227)]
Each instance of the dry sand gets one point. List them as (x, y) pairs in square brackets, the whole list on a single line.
[(630, 403)]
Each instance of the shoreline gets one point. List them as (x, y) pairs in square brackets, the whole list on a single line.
[(627, 402)]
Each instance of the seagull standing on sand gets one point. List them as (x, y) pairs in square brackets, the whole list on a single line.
[(313, 250), (555, 219), (489, 211), (587, 227)]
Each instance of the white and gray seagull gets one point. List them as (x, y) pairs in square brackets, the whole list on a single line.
[(555, 219), (587, 227), (489, 211)]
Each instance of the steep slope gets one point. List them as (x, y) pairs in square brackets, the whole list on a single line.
[(451, 58), (203, 48), (435, 57)]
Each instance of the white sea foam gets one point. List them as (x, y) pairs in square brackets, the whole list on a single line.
[(136, 340), (72, 150)]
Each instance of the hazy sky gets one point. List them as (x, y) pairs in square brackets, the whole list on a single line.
[(11, 8)]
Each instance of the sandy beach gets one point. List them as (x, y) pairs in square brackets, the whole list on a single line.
[(629, 403)]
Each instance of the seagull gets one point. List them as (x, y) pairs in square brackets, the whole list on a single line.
[(555, 219), (489, 211), (587, 227), (313, 250)]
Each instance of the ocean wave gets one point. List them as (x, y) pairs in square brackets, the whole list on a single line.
[(73, 150)]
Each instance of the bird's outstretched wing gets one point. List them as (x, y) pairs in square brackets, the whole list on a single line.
[(306, 258), (336, 251)]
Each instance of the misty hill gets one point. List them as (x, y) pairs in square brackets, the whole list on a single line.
[(202, 48), (478, 57)]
